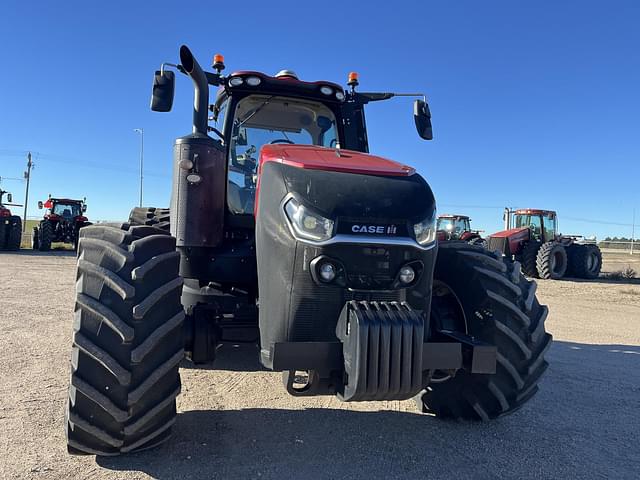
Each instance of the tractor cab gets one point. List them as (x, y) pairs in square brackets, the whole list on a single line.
[(541, 223), (454, 225), (253, 109), (63, 209)]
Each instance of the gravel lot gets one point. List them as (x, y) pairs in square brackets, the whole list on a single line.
[(238, 422)]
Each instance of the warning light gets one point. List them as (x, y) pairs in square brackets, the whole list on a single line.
[(218, 62), (353, 79)]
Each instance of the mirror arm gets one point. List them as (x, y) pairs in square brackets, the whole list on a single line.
[(376, 97), (167, 64)]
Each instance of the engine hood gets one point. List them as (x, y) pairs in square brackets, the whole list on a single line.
[(312, 157), (510, 233), (348, 187)]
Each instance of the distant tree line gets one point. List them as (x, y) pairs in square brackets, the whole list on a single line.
[(610, 242)]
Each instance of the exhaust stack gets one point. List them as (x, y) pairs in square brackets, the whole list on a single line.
[(200, 90)]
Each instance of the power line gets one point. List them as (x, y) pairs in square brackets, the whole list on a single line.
[(601, 222), (47, 157)]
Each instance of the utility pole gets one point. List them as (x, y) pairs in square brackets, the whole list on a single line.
[(633, 230), (27, 177), (141, 132)]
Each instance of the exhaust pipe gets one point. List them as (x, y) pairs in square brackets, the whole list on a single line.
[(200, 90), (506, 216)]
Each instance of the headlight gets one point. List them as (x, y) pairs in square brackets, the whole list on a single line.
[(326, 90), (426, 230), (253, 81), (307, 224), (235, 81)]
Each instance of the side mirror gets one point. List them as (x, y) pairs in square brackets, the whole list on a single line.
[(40, 204), (84, 208), (164, 85), (9, 198), (422, 117)]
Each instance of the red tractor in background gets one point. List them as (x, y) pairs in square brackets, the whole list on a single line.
[(531, 237), (458, 227), (10, 226), (62, 222)]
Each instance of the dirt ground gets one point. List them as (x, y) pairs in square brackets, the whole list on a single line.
[(238, 422)]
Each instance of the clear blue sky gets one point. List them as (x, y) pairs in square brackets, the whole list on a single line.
[(535, 104)]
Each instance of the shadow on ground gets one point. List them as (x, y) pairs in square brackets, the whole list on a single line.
[(38, 253), (232, 358), (601, 279), (583, 423)]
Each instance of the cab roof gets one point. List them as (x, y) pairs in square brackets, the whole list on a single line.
[(535, 211), (454, 215), (64, 200), (284, 85)]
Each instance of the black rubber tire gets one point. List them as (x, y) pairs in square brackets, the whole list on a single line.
[(500, 308), (527, 258), (14, 236), (585, 261), (35, 242), (152, 216), (127, 343), (552, 261), (76, 234), (46, 234), (478, 242), (3, 233)]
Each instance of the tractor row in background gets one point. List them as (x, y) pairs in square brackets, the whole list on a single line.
[(10, 225), (62, 222), (531, 237)]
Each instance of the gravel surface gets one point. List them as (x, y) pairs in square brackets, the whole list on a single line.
[(238, 422)]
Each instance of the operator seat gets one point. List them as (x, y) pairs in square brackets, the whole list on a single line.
[(66, 213), (240, 200)]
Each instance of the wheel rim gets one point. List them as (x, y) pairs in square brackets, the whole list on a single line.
[(592, 261), (447, 308)]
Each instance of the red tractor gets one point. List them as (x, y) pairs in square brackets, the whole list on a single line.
[(10, 225), (62, 223), (458, 227), (531, 237), (285, 232)]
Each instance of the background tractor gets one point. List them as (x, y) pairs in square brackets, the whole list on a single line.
[(458, 227), (531, 236), (286, 233), (10, 225), (62, 222)]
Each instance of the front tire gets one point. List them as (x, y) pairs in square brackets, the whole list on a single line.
[(490, 299), (15, 233), (552, 261), (127, 341), (46, 235), (527, 258), (35, 242)]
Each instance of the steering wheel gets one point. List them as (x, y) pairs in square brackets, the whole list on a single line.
[(281, 140)]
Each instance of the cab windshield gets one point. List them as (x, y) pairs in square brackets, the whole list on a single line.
[(267, 119), (533, 222), (67, 210), (453, 225)]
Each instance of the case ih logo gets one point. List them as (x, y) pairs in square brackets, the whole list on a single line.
[(378, 229)]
